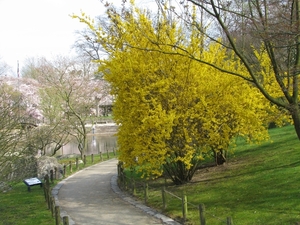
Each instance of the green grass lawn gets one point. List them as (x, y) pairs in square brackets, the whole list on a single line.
[(260, 184), (20, 207)]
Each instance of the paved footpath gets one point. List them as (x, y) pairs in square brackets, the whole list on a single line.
[(92, 196)]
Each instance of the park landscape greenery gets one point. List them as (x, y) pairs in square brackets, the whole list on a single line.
[(192, 86), (256, 186)]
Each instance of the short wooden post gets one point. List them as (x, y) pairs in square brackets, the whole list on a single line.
[(163, 193), (47, 180), (76, 163), (49, 197), (65, 220), (184, 207), (114, 151), (202, 214), (107, 153), (133, 186), (70, 166), (64, 170), (92, 156), (52, 203), (45, 193), (124, 180), (119, 170), (57, 215), (51, 176), (229, 221), (146, 192), (44, 187), (84, 159), (55, 173), (47, 190), (101, 158)]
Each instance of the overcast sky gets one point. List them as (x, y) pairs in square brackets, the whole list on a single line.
[(33, 28)]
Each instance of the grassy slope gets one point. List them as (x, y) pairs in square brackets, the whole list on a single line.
[(259, 185)]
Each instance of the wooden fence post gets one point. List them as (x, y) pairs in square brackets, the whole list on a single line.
[(64, 170), (133, 186), (55, 173), (57, 215), (65, 220), (202, 214), (76, 163), (52, 204), (184, 207), (92, 156), (146, 192), (46, 190), (164, 197), (84, 160), (47, 180), (101, 158), (51, 176), (163, 193), (123, 179), (49, 197), (119, 169), (114, 151), (70, 165), (229, 221), (106, 150)]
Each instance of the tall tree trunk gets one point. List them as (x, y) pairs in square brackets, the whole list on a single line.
[(295, 111), (296, 119)]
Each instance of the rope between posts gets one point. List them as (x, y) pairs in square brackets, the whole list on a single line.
[(173, 195), (192, 205), (179, 198), (216, 217), (195, 206)]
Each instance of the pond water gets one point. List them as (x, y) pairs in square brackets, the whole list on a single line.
[(96, 143)]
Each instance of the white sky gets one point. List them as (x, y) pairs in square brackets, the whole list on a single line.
[(33, 28)]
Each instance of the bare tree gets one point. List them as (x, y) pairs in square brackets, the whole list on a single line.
[(87, 45), (71, 88), (32, 67)]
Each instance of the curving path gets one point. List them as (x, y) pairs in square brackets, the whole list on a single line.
[(91, 196)]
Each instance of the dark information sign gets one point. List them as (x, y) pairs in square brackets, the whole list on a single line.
[(32, 182)]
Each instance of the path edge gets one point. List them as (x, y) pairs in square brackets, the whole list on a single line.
[(126, 197)]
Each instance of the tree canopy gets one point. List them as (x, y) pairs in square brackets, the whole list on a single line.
[(66, 101)]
